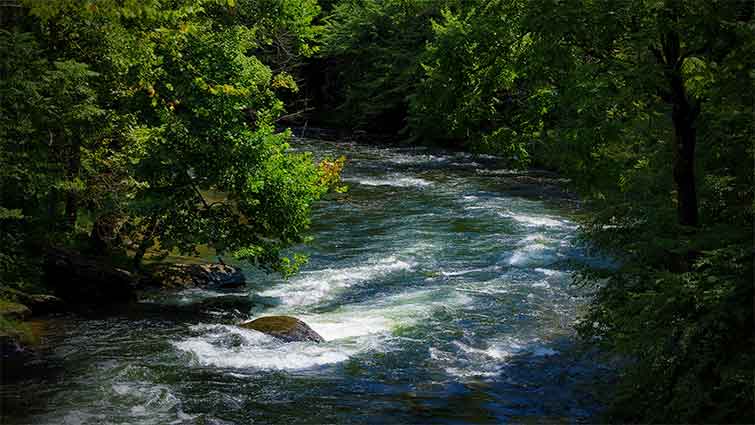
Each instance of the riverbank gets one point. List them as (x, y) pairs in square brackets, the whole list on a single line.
[(82, 283)]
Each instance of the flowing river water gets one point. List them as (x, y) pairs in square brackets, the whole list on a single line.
[(444, 295)]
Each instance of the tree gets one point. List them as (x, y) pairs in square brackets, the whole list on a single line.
[(649, 106), (161, 116), (373, 49), (657, 53), (472, 92)]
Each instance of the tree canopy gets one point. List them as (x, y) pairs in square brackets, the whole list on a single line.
[(144, 122)]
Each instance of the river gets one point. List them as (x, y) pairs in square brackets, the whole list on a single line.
[(444, 295)]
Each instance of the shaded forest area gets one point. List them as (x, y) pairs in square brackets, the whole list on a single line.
[(119, 118)]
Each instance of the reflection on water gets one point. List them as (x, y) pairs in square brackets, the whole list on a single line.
[(441, 299)]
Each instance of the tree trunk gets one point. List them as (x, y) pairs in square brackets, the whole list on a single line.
[(100, 236), (683, 115), (72, 173), (684, 163), (53, 196), (146, 242)]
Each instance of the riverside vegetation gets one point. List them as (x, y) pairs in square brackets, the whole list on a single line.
[(133, 129)]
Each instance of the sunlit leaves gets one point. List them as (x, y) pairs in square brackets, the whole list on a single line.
[(158, 102), (471, 84)]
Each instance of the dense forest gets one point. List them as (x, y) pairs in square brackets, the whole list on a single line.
[(134, 129)]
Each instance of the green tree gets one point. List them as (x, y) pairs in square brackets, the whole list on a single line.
[(374, 49), (650, 119), (141, 122), (661, 56), (473, 92)]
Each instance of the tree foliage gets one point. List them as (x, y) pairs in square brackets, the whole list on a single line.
[(374, 49), (143, 122)]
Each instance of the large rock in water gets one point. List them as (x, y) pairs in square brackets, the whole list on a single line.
[(286, 328), (211, 275), (38, 303), (83, 280), (44, 304)]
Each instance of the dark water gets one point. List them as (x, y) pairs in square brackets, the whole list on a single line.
[(443, 297)]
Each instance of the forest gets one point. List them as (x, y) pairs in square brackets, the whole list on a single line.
[(133, 131)]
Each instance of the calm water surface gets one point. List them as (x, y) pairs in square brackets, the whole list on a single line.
[(443, 296)]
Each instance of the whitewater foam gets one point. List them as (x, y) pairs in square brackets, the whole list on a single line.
[(537, 220), (396, 181), (528, 254), (377, 317), (549, 272), (467, 271), (352, 329), (310, 287), (257, 350), (416, 159), (463, 361)]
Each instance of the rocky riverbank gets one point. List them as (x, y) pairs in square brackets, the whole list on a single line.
[(78, 283)]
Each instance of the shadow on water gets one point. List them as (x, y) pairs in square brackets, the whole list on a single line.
[(557, 388), (556, 384)]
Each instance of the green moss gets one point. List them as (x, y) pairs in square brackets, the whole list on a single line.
[(21, 331), (272, 324), (10, 309), (9, 295)]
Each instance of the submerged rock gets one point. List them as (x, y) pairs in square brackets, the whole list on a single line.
[(225, 307), (212, 276), (12, 351), (286, 328)]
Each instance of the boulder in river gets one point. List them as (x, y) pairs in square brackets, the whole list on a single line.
[(286, 328), (211, 275), (83, 280), (39, 304), (44, 304)]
